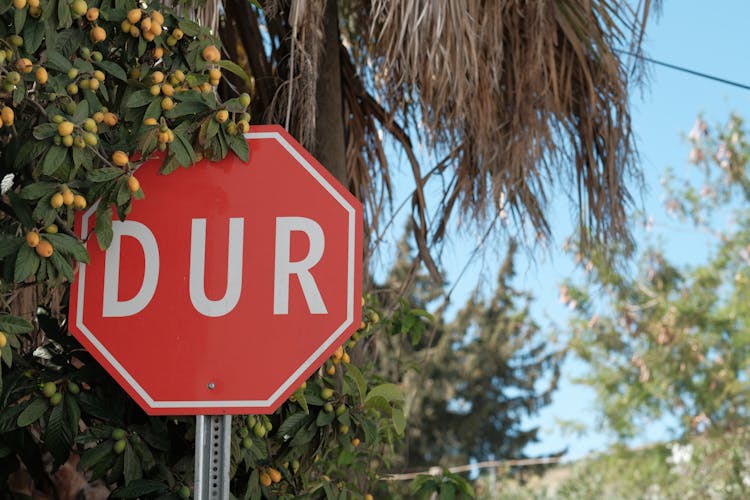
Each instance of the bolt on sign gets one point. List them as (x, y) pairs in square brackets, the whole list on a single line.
[(228, 285)]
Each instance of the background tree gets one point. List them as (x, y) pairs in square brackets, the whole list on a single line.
[(672, 339), (469, 382)]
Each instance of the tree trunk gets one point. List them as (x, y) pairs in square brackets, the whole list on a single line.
[(330, 147)]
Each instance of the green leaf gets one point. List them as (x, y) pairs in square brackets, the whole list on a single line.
[(123, 192), (94, 455), (292, 424), (131, 467), (43, 212), (235, 68), (57, 61), (82, 111), (105, 174), (114, 69), (54, 159), (33, 412), (62, 265), (84, 66), (38, 189), (139, 98), (83, 157), (447, 492), (9, 245), (64, 17), (238, 144), (145, 456), (72, 414), (29, 151), (186, 108), (389, 392), (58, 439), (14, 325), (19, 19), (68, 245), (359, 380), (103, 227), (324, 418), (346, 457), (23, 213), (181, 147), (190, 28), (399, 421), (33, 35), (379, 403), (27, 262), (153, 110), (45, 131), (139, 488)]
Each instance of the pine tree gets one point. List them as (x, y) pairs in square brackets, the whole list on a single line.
[(470, 381)]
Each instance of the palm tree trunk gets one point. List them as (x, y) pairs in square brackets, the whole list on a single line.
[(330, 147)]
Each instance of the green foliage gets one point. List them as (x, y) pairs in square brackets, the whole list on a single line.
[(331, 438), (671, 339), (712, 467), (88, 91), (470, 381), (446, 486)]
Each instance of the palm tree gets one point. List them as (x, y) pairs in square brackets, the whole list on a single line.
[(520, 98)]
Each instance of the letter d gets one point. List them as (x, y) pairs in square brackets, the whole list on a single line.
[(112, 306)]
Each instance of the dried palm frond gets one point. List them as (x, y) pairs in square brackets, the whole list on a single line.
[(528, 93)]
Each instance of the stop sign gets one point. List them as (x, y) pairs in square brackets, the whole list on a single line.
[(228, 285)]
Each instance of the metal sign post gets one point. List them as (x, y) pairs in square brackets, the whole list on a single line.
[(213, 434)]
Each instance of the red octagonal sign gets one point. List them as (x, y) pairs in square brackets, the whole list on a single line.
[(228, 285)]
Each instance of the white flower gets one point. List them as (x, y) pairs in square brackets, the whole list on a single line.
[(700, 129), (6, 183), (680, 454)]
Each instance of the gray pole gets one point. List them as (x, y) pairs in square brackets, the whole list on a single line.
[(213, 434)]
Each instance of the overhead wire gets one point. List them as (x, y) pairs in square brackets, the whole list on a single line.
[(683, 69)]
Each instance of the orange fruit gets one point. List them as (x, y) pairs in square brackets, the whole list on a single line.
[(92, 14), (98, 34), (7, 115), (56, 201), (150, 121), (79, 202), (133, 184), (65, 128), (134, 15), (120, 159), (265, 479), (19, 4), (67, 197), (24, 65), (211, 54), (41, 75), (222, 115), (44, 248), (274, 474), (110, 119), (3, 339), (167, 103), (32, 239)]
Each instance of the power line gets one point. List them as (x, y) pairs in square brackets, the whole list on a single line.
[(684, 69)]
